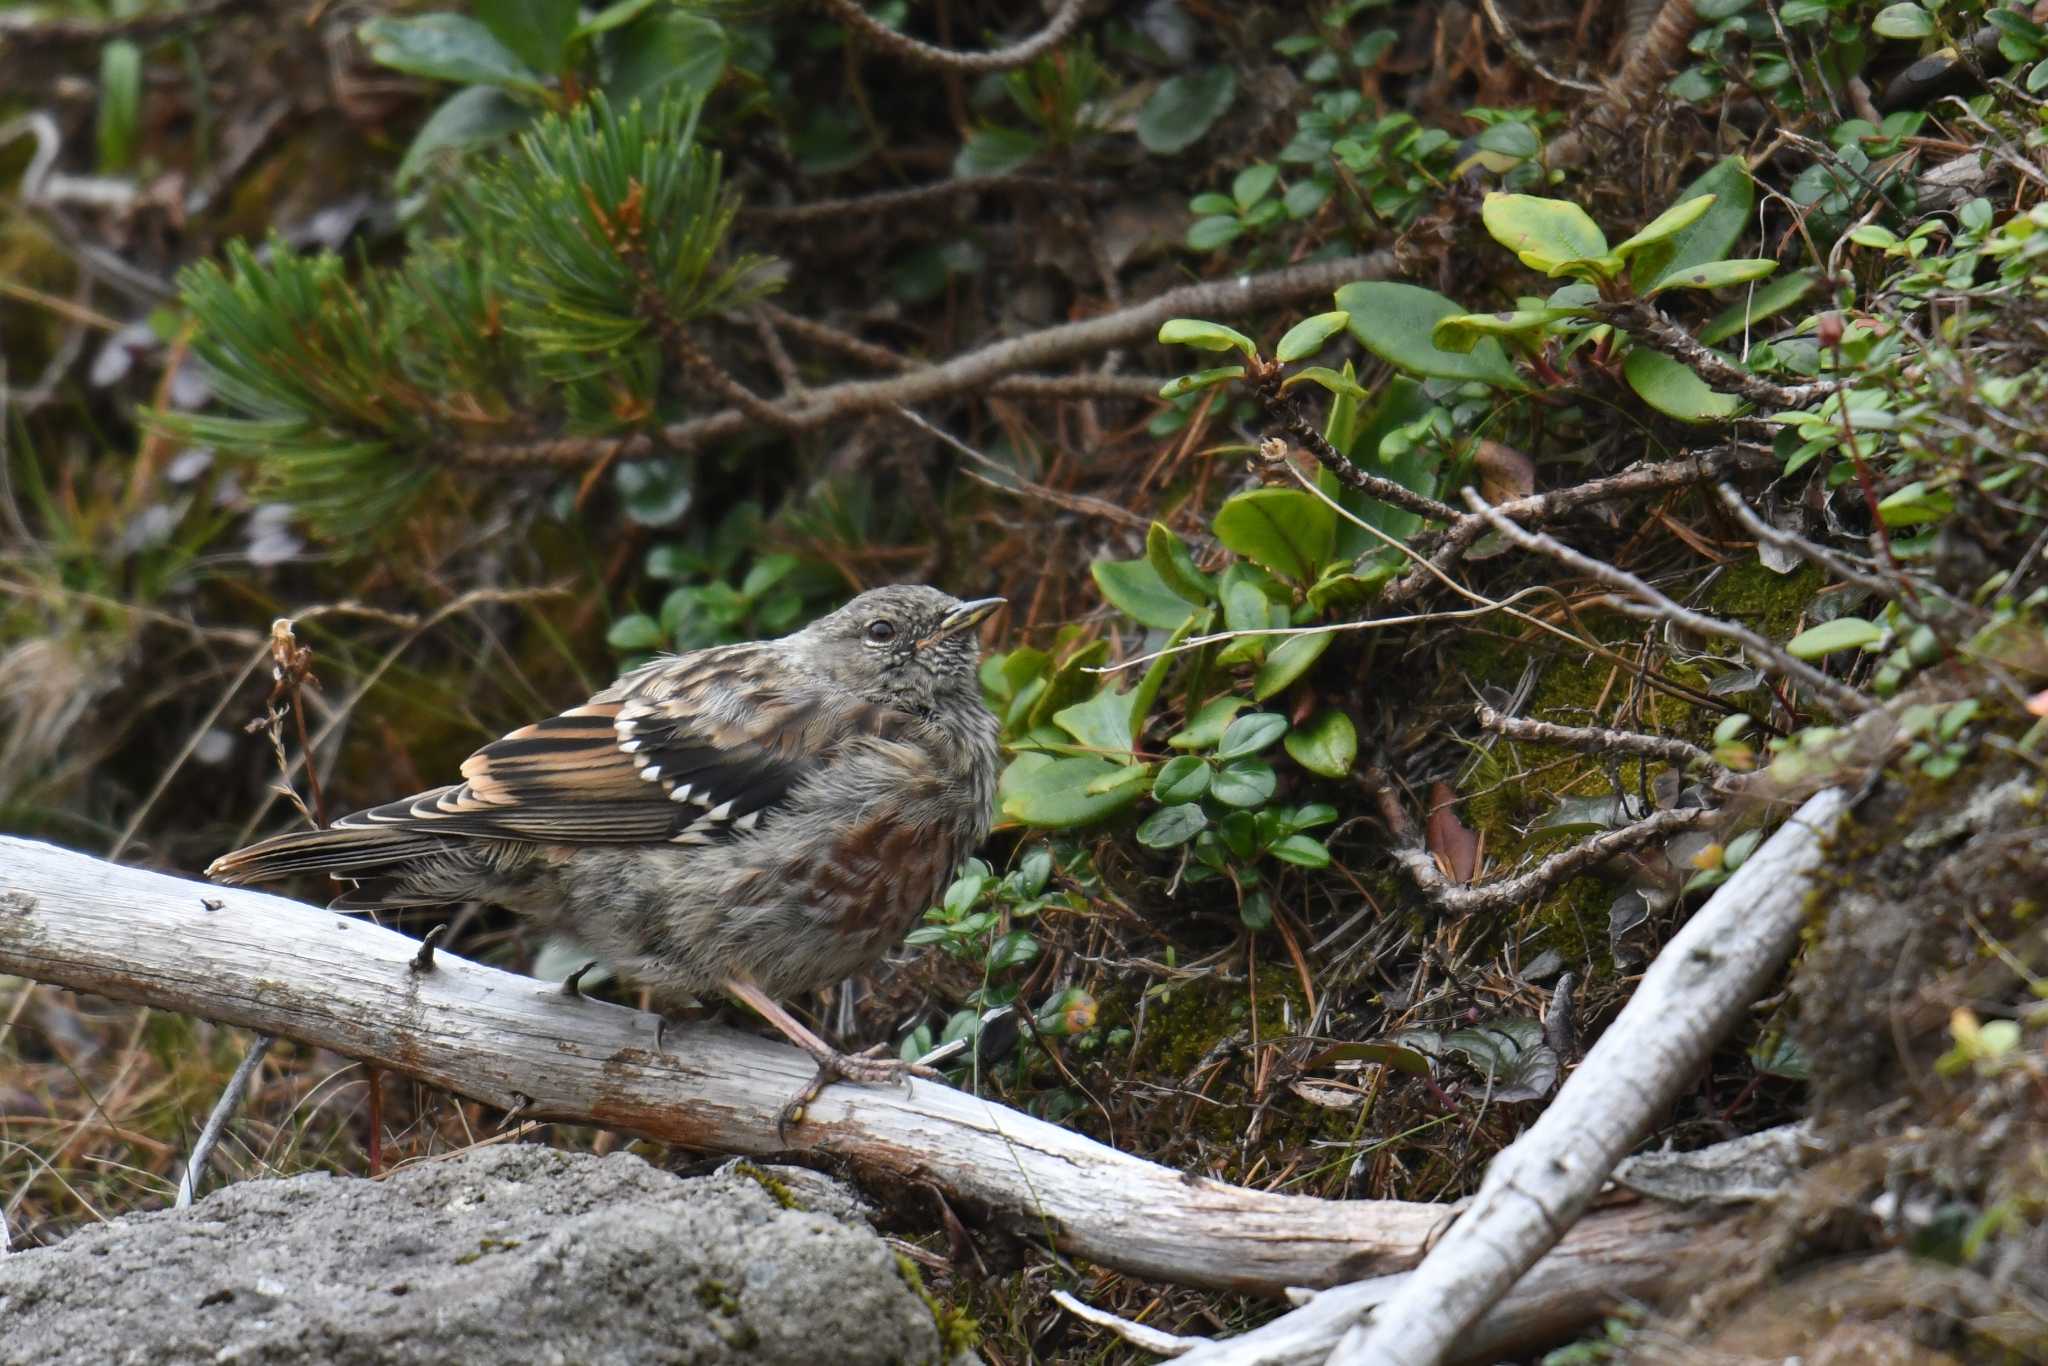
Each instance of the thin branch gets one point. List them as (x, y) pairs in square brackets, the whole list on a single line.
[(1541, 507), (1645, 322), (974, 372), (217, 1122), (1596, 739), (1510, 893), (850, 13), (1283, 410), (858, 207), (1836, 697)]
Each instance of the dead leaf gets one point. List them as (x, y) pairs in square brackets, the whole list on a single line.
[(1456, 848)]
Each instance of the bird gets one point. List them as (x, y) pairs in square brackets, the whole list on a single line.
[(761, 819)]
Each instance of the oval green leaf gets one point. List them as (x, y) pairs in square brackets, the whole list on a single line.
[(1543, 233), (1306, 337), (1288, 661), (1041, 790), (1251, 733), (1184, 108), (1175, 566), (1396, 322), (1182, 779), (1673, 390), (1205, 336), (447, 47), (1667, 224), (1284, 530), (1172, 826), (1200, 379), (1327, 745), (1137, 590), (1716, 274), (1244, 783)]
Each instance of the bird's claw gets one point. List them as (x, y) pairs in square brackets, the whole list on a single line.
[(868, 1066)]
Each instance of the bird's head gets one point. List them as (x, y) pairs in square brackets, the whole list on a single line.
[(905, 646)]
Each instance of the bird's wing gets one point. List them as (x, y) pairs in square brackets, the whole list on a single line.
[(685, 750)]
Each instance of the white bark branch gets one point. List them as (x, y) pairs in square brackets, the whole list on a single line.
[(262, 962), (1535, 1190)]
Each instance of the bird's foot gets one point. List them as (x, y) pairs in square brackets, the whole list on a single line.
[(867, 1066)]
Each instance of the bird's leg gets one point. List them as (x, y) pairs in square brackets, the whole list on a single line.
[(833, 1065)]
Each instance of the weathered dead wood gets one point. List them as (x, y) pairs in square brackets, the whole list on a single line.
[(262, 962)]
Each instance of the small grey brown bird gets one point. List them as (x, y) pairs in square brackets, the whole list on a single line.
[(760, 819)]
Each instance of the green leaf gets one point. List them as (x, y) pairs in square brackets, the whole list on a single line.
[(535, 30), (1207, 234), (1041, 790), (634, 632), (1843, 633), (1546, 234), (448, 47), (1915, 504), (1244, 782), (1205, 336), (1205, 728), (1667, 224), (613, 16), (1172, 826), (1138, 591), (1104, 722), (120, 108), (474, 114), (1341, 385), (1182, 779), (1902, 21), (1120, 777), (1773, 298), (1175, 566), (1289, 661), (1284, 530), (1251, 185), (1715, 274), (995, 151), (1712, 236), (1307, 337), (1200, 379), (1250, 733), (1326, 745), (1184, 108), (1013, 950), (668, 53), (1395, 322), (654, 492), (1303, 850), (1463, 331), (1673, 390)]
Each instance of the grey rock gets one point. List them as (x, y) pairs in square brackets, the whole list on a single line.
[(514, 1253)]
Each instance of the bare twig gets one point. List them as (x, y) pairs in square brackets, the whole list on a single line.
[(1281, 408), (915, 196), (1541, 507), (1508, 893), (217, 1122), (1836, 697), (974, 372), (1596, 739), (850, 13), (1645, 322)]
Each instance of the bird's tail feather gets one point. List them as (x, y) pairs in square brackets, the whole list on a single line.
[(350, 851)]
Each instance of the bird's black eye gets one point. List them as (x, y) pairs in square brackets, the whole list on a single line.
[(881, 632)]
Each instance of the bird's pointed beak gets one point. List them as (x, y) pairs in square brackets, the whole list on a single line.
[(965, 617)]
